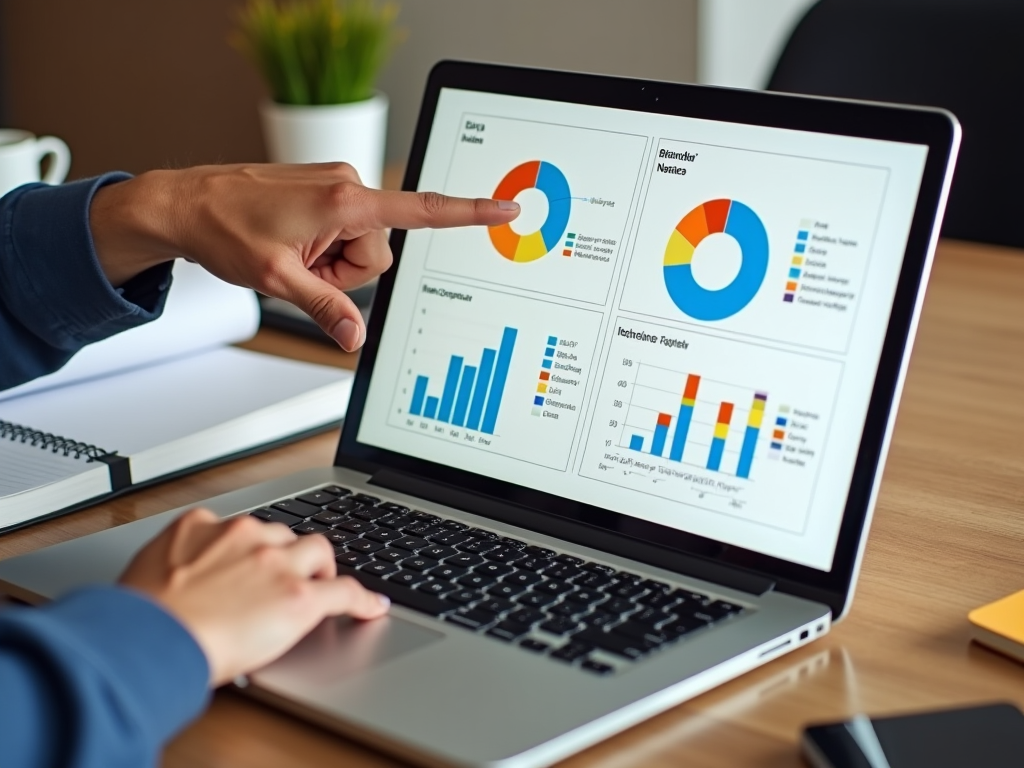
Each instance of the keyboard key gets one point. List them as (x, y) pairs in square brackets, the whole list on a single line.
[(297, 508), (639, 632), (534, 564), (508, 631), (719, 609), (436, 588), (594, 581), (419, 563), (378, 568), (569, 610), (276, 516), (437, 552), (475, 580), (336, 490), (427, 517), (587, 597), (506, 590), (651, 617), (353, 559), (661, 600), (357, 526), (305, 529), (363, 498), (619, 606), (364, 545), (390, 506), (369, 513), (560, 625), (627, 591), (417, 599), (397, 522), (655, 586), (607, 570), (682, 626), (534, 645), (514, 543), (408, 578), (480, 533), (620, 645), (539, 552), (454, 525), (478, 546), (317, 498), (494, 570), (446, 572), (536, 599), (496, 605), (528, 616), (568, 560), (464, 560), (505, 555), (564, 572), (384, 535), (423, 530), (571, 651), (328, 518), (471, 619), (522, 578), (554, 587), (411, 543), (344, 505), (596, 667), (390, 555), (599, 618), (340, 538), (466, 595), (449, 538)]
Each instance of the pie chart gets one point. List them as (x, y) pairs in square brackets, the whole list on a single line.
[(739, 222), (551, 182)]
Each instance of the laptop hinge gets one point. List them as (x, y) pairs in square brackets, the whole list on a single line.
[(574, 531)]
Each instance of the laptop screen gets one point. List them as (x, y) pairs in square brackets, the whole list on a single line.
[(683, 325)]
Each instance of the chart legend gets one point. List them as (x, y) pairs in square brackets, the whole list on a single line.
[(544, 378), (797, 261)]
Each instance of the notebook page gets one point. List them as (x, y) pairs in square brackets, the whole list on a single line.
[(24, 467), (202, 312)]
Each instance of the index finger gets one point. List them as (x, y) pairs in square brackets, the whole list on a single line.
[(415, 210)]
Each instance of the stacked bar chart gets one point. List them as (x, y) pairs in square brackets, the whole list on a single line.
[(471, 395), (754, 419)]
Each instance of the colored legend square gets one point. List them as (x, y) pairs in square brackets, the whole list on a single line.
[(794, 273), (779, 421), (779, 434), (546, 364), (536, 411), (798, 260), (802, 234), (542, 387), (777, 446), (783, 409), (538, 400), (791, 286), (567, 252), (800, 247), (552, 340), (545, 375), (788, 298), (549, 352), (569, 244), (570, 235)]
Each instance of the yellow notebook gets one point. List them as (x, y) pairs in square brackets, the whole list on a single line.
[(1000, 625)]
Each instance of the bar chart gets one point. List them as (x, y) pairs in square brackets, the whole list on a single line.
[(472, 394), (494, 372), (722, 425)]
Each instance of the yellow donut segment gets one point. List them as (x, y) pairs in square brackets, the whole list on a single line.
[(530, 248), (679, 250)]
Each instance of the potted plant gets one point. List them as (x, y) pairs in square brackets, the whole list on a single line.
[(320, 60)]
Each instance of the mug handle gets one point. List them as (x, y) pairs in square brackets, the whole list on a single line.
[(60, 155)]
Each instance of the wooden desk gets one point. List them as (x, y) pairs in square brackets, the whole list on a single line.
[(947, 536)]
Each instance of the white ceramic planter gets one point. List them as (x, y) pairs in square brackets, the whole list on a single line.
[(353, 133)]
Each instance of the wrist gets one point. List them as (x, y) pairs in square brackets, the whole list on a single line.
[(136, 224)]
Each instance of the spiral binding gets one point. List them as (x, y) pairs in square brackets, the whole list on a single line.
[(44, 440)]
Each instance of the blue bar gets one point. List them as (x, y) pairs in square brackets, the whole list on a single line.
[(508, 342), (682, 428), (552, 340), (546, 364), (747, 452), (476, 407), (715, 456), (800, 247), (802, 234), (431, 409), (418, 393), (451, 384), (636, 443), (658, 444), (465, 390), (549, 352)]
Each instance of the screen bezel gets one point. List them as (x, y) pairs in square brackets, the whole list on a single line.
[(934, 128)]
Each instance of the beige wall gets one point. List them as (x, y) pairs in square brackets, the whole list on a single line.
[(138, 84)]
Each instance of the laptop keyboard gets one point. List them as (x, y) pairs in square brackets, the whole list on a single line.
[(545, 602)]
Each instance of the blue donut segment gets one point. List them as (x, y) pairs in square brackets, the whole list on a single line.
[(555, 187)]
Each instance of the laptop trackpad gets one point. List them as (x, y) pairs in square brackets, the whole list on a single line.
[(342, 647)]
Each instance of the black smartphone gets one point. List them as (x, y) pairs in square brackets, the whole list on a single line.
[(991, 736)]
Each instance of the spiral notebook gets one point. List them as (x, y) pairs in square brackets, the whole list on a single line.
[(157, 402)]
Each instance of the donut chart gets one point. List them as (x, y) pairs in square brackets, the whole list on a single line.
[(739, 222), (551, 181)]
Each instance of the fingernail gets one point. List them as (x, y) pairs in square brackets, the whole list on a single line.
[(385, 601), (508, 205), (348, 334)]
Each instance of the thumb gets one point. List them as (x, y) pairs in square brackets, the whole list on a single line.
[(328, 306)]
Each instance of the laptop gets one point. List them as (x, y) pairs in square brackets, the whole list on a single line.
[(621, 450)]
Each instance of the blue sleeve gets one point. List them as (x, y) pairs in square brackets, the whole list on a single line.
[(54, 297), (100, 679)]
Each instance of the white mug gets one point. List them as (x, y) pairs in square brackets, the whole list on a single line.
[(21, 154)]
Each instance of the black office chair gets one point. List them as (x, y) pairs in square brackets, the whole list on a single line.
[(964, 55)]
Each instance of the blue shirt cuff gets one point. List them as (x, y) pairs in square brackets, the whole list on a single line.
[(55, 285)]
